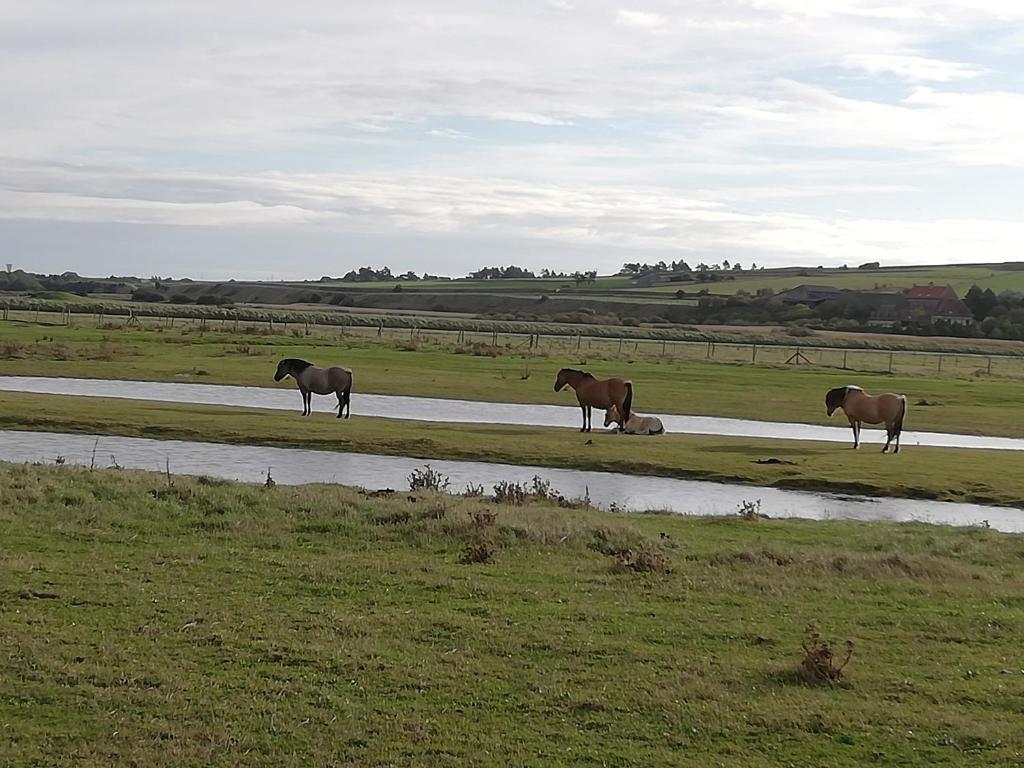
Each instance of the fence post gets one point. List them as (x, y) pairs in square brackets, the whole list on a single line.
[(579, 340), (845, 353), (940, 363), (662, 347), (753, 353), (990, 365), (620, 344), (890, 362)]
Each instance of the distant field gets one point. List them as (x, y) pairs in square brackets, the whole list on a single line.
[(994, 276), (960, 277)]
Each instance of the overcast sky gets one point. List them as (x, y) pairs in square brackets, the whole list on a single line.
[(302, 138)]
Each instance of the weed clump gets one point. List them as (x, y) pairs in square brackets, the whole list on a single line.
[(428, 479), (507, 492), (629, 553), (750, 510), (480, 546), (820, 665)]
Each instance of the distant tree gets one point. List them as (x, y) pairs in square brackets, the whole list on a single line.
[(501, 273), (144, 294), (981, 302), (725, 264), (737, 267)]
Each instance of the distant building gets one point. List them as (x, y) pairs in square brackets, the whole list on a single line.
[(936, 303), (809, 295), (922, 304), (648, 279)]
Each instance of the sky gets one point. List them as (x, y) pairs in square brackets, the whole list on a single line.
[(263, 140)]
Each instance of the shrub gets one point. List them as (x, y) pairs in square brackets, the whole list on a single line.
[(427, 479), (511, 493), (819, 663)]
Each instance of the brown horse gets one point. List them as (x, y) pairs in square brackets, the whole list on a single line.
[(591, 393), (321, 381), (635, 424), (861, 407)]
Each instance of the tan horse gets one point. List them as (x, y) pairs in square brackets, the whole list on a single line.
[(635, 424), (591, 393), (320, 381), (861, 407)]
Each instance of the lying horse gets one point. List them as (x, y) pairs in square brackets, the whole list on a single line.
[(871, 409), (591, 393), (322, 381), (635, 424)]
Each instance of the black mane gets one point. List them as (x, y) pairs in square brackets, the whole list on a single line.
[(834, 398), (295, 363)]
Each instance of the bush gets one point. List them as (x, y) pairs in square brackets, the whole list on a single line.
[(208, 299), (144, 294), (427, 479), (819, 663)]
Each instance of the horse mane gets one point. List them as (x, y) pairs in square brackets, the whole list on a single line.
[(586, 374), (296, 363), (834, 397)]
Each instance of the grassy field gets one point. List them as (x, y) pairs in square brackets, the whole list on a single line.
[(994, 276), (964, 398), (991, 477), (205, 623)]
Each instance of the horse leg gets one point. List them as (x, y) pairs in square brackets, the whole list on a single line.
[(341, 404), (584, 409), (590, 417), (308, 405), (888, 434), (856, 436)]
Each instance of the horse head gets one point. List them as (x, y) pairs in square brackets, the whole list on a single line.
[(569, 376), (835, 398), (290, 366)]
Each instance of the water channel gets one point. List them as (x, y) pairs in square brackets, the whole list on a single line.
[(605, 489), (471, 411)]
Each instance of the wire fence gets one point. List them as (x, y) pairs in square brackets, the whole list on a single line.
[(576, 348)]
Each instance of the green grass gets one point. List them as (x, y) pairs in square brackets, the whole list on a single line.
[(938, 473), (960, 277), (963, 399), (222, 625)]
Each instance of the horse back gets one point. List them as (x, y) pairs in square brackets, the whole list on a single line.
[(602, 393)]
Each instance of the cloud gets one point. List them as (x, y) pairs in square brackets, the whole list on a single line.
[(639, 19), (913, 68), (740, 126)]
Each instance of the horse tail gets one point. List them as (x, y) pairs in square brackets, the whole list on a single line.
[(627, 403), (660, 430), (898, 426)]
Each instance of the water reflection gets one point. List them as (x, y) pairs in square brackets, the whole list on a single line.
[(605, 489)]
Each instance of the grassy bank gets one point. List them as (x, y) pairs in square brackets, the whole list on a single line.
[(960, 399), (206, 623), (990, 477)]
